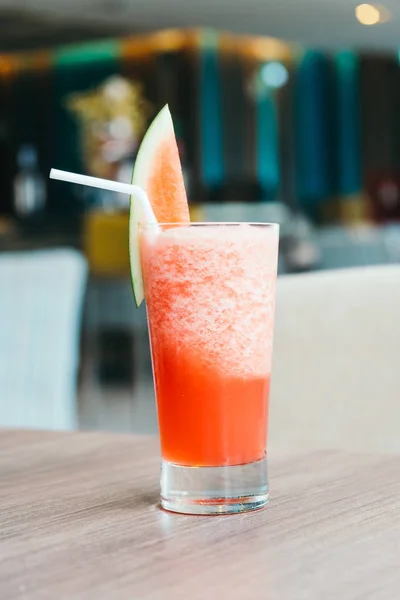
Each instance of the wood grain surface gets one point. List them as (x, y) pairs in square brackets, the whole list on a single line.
[(79, 520)]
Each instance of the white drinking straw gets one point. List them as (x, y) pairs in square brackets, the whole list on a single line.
[(113, 186)]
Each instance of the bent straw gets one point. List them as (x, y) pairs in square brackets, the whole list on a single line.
[(106, 184)]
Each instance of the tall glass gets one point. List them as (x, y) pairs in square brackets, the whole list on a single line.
[(210, 294)]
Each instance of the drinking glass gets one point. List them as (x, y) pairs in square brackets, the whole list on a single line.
[(210, 295)]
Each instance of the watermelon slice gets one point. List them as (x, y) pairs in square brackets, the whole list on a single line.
[(158, 172)]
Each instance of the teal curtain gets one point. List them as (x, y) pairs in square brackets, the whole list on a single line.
[(312, 117), (212, 168), (348, 158)]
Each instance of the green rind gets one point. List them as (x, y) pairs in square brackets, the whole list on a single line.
[(131, 216), (159, 128)]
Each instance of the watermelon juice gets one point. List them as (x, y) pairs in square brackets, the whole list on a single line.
[(210, 294)]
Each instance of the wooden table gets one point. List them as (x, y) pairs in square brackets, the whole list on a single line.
[(79, 520)]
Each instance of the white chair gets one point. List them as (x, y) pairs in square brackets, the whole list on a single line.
[(336, 371), (41, 296)]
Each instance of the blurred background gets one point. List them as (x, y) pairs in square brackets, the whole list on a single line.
[(284, 111)]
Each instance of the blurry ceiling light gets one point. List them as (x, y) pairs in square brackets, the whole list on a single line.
[(274, 74), (116, 88), (371, 14)]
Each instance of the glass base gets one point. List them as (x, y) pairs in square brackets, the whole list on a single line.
[(214, 490)]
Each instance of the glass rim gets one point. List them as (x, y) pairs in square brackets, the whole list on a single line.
[(208, 224)]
